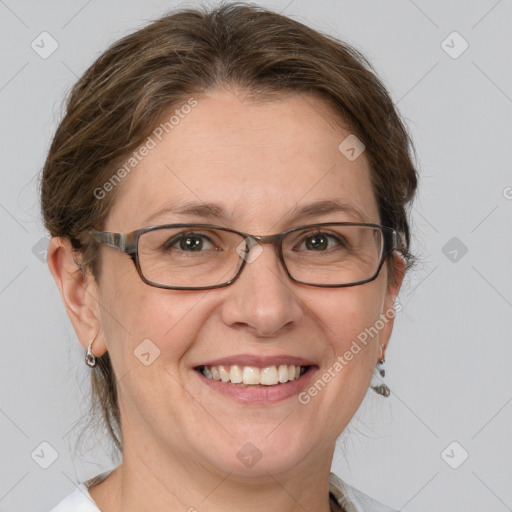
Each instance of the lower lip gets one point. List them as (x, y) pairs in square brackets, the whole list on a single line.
[(260, 394)]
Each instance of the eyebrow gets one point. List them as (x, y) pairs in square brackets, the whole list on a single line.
[(209, 210), (326, 207), (217, 212)]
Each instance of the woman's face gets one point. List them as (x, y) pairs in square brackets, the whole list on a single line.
[(260, 168)]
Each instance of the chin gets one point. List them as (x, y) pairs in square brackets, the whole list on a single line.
[(264, 451)]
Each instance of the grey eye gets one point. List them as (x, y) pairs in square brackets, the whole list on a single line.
[(320, 242), (190, 242)]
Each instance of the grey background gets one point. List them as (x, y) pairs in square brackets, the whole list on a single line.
[(448, 364)]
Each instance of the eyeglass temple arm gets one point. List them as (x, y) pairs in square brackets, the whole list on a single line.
[(114, 240), (397, 241)]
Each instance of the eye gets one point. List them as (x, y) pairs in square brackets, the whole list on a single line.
[(190, 242), (319, 241)]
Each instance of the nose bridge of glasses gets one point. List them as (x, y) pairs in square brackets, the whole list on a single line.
[(257, 240), (252, 247)]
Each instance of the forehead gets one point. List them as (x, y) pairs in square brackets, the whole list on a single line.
[(255, 162)]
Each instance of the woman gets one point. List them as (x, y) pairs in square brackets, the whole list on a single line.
[(226, 195)]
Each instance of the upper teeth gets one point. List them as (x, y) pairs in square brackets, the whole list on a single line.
[(267, 376)]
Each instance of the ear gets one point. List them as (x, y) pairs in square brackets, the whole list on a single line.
[(79, 293), (389, 310)]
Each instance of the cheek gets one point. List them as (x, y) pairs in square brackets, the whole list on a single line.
[(349, 312), (346, 316), (148, 333), (350, 322), (146, 324)]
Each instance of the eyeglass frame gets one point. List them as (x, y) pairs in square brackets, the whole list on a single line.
[(128, 243)]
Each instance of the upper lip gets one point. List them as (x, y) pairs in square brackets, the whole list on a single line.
[(258, 361)]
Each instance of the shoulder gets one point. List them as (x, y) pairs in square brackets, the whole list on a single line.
[(352, 500), (78, 501)]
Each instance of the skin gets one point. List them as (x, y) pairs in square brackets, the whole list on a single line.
[(260, 161)]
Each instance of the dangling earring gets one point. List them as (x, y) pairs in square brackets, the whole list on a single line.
[(90, 358), (381, 389)]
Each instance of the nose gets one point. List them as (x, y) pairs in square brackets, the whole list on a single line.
[(262, 300)]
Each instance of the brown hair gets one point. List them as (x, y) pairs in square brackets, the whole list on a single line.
[(124, 94)]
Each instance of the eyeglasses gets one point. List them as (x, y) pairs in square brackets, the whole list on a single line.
[(202, 256)]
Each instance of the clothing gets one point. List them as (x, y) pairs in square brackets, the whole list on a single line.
[(343, 498)]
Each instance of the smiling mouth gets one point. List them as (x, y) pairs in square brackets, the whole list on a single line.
[(252, 375)]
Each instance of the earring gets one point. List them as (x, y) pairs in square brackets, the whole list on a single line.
[(381, 389), (90, 358)]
